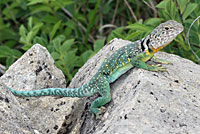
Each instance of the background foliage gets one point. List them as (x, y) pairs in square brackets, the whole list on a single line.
[(74, 30)]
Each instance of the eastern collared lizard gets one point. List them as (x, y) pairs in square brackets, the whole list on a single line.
[(135, 54)]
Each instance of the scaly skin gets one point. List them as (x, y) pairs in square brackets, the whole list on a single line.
[(133, 55)]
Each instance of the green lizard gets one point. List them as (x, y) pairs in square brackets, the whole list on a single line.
[(135, 54)]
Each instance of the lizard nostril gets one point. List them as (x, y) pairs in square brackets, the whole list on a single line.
[(180, 27)]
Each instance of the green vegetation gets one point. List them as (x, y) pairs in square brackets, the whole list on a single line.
[(74, 30)]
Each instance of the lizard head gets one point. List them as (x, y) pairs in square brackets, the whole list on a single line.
[(164, 34)]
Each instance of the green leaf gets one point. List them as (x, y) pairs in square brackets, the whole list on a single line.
[(140, 27), (22, 32), (11, 43), (36, 28), (58, 63), (9, 61), (30, 23), (182, 4), (99, 44), (5, 51), (40, 41), (172, 10), (41, 8), (190, 8), (86, 55), (55, 55), (60, 37), (26, 47), (57, 45), (153, 21), (33, 2), (57, 4), (16, 53), (133, 35), (112, 35), (55, 28), (7, 33), (117, 34), (50, 19), (162, 4), (70, 58), (67, 45), (29, 37)]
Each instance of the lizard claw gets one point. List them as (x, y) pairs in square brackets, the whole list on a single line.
[(157, 65), (161, 68)]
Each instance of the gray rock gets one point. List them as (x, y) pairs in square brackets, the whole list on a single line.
[(34, 70), (142, 102), (146, 102), (12, 119), (155, 102)]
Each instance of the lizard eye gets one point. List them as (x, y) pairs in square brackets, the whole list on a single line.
[(166, 28)]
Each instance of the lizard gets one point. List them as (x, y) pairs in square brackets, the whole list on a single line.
[(135, 54)]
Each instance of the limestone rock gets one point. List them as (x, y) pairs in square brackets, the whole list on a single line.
[(34, 70), (12, 120), (146, 102)]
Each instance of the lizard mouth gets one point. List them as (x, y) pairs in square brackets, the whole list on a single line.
[(157, 49)]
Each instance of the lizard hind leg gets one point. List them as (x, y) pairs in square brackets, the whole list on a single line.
[(97, 105)]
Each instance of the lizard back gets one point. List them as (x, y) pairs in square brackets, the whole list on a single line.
[(120, 61)]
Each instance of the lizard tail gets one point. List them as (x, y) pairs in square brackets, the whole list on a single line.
[(82, 91)]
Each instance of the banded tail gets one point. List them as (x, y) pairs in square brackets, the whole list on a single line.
[(82, 91)]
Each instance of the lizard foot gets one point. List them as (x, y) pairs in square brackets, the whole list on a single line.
[(101, 111)]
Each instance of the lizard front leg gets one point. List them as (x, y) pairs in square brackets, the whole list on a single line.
[(141, 64), (158, 60)]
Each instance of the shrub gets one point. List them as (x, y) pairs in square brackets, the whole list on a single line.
[(74, 30)]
